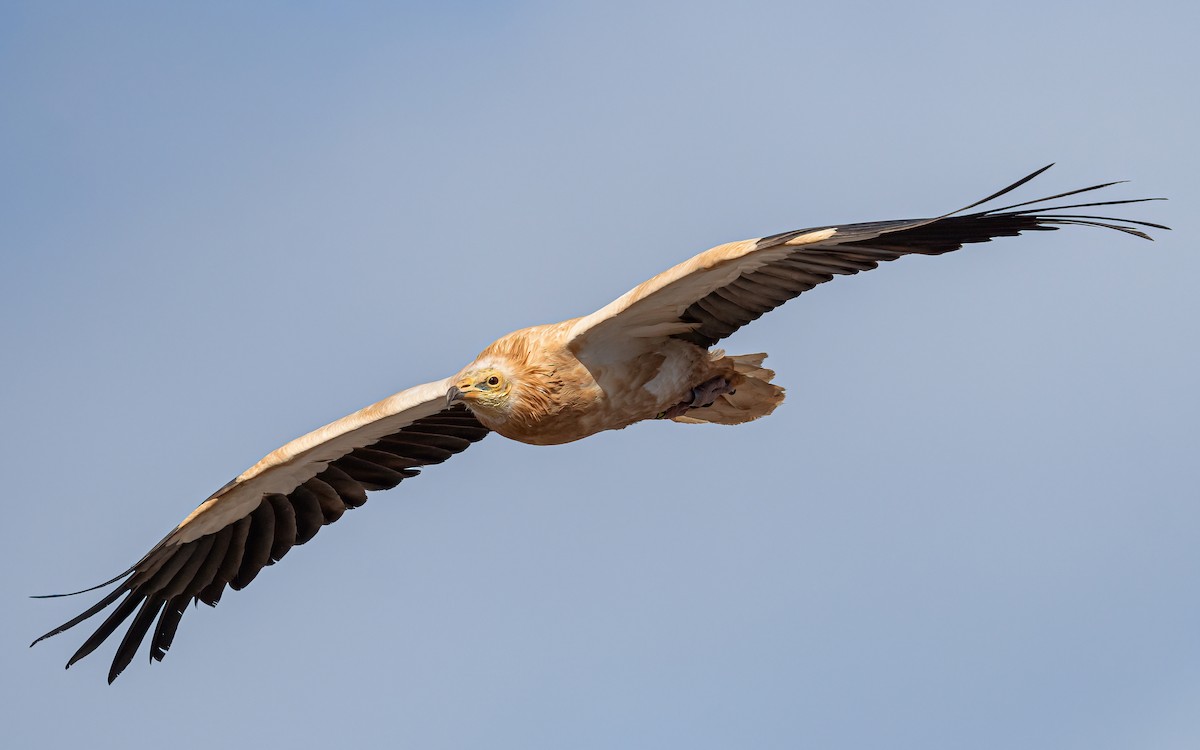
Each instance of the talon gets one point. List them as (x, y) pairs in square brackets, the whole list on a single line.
[(702, 397), (706, 394)]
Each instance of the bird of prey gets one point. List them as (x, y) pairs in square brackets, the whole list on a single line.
[(647, 355)]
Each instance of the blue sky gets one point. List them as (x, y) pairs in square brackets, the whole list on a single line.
[(973, 523)]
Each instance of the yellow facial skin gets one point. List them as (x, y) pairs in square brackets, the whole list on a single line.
[(487, 388)]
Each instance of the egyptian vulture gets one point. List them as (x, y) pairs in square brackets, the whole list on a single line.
[(645, 356)]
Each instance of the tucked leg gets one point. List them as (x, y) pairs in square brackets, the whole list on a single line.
[(707, 392), (703, 395)]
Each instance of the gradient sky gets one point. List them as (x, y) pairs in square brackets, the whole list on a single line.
[(975, 523)]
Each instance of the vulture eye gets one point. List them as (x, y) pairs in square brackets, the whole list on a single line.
[(493, 380)]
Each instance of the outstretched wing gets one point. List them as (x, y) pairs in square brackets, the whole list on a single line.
[(710, 296), (281, 501)]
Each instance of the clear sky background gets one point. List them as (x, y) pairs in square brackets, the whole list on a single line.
[(975, 523)]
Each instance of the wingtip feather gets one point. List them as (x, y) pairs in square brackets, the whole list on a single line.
[(112, 580)]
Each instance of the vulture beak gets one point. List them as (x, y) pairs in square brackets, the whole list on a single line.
[(454, 396)]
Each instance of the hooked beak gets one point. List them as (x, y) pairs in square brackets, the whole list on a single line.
[(455, 396)]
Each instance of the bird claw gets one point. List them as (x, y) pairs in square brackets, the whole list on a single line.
[(707, 393), (703, 395)]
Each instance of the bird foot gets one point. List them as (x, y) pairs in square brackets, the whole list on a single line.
[(705, 394)]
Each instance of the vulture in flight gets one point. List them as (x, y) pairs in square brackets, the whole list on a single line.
[(647, 355)]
